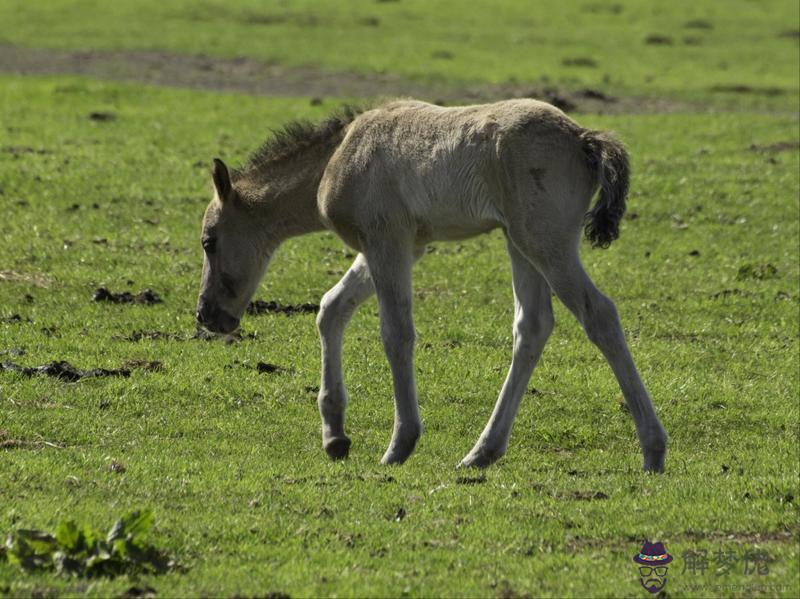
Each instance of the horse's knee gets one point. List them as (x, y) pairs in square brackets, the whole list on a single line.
[(332, 312), (324, 316), (543, 323), (532, 329), (600, 319)]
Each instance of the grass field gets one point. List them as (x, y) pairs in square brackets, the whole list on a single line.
[(683, 49), (706, 277)]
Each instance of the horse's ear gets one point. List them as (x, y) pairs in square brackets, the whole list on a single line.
[(222, 179)]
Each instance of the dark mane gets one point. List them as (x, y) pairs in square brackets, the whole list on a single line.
[(297, 136)]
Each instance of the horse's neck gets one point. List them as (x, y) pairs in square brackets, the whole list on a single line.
[(291, 199)]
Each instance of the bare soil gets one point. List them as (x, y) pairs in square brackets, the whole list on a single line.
[(148, 296), (265, 307), (62, 369), (245, 75)]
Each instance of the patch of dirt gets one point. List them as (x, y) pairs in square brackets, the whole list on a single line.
[(266, 367), (728, 292), (14, 351), (250, 17), (587, 495), (150, 365), (141, 592), (64, 371), (613, 9), (152, 335), (102, 116), (656, 39), (272, 307), (199, 334), (443, 55), (33, 278), (471, 480), (760, 272), (20, 150), (579, 62), (698, 24), (250, 76), (781, 146), (740, 88), (13, 319), (228, 338), (260, 367), (593, 94), (7, 442), (148, 296), (14, 444)]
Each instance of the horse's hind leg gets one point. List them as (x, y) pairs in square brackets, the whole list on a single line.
[(598, 316), (390, 260), (533, 323), (336, 309)]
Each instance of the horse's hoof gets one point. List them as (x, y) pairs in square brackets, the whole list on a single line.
[(395, 457), (337, 448), (397, 454), (403, 444), (654, 463), (480, 458), (655, 452)]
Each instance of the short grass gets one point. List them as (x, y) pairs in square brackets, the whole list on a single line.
[(207, 435), (628, 46), (705, 277)]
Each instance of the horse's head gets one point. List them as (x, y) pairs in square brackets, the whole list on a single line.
[(236, 250)]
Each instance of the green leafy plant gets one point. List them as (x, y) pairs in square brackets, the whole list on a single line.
[(85, 551)]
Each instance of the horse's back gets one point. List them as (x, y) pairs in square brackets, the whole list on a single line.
[(443, 170)]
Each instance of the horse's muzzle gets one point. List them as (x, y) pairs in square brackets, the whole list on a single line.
[(215, 319)]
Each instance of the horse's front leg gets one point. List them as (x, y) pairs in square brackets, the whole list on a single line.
[(390, 263), (336, 309)]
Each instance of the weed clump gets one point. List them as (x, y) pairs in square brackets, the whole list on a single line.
[(87, 552)]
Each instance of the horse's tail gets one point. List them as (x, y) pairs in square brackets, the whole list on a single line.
[(607, 158)]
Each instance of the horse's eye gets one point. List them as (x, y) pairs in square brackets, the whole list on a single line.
[(209, 245)]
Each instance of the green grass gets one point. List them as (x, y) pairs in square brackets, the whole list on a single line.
[(205, 436), (230, 460), (499, 42)]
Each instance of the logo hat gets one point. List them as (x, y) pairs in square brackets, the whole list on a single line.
[(653, 554)]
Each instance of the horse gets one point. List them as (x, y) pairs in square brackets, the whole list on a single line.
[(393, 178)]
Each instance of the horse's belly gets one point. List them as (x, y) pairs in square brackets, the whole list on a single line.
[(455, 232), (454, 220)]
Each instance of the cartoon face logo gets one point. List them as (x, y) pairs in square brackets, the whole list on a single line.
[(653, 560)]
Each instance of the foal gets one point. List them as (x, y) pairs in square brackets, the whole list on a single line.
[(392, 179)]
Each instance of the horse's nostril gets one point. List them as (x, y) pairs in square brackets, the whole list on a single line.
[(206, 312), (202, 313)]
